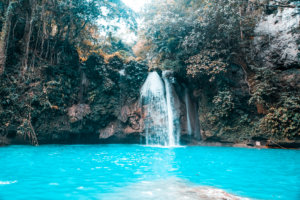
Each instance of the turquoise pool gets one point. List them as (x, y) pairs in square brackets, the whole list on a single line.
[(140, 172)]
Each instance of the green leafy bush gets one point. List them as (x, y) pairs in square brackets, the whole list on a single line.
[(207, 62), (223, 104), (283, 121)]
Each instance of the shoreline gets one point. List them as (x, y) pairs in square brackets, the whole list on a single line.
[(199, 144), (295, 145)]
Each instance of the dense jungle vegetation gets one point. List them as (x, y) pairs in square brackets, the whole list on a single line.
[(48, 48)]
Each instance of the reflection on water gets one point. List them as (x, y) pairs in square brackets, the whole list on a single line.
[(170, 189), (139, 172)]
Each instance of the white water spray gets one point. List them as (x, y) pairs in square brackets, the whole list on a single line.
[(187, 105), (173, 117), (161, 119)]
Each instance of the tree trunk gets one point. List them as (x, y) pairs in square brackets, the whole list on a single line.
[(27, 34), (4, 36), (44, 31), (241, 24), (70, 24)]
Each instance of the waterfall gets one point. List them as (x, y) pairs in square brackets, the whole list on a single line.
[(173, 118), (187, 105), (192, 118), (197, 125), (161, 119), (155, 110)]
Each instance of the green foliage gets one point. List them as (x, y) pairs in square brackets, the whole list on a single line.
[(205, 34), (207, 62), (220, 111), (198, 38), (55, 28), (166, 25), (265, 89), (283, 121), (202, 38), (223, 104), (282, 105), (170, 65)]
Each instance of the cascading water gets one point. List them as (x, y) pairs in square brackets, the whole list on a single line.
[(155, 110), (187, 105), (173, 118), (160, 116), (192, 118)]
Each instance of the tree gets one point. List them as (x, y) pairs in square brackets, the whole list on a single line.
[(50, 27), (30, 14), (40, 42), (187, 30), (4, 35)]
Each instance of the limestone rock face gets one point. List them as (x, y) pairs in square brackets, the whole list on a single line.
[(78, 112), (105, 107), (290, 78), (109, 131), (98, 100), (132, 116), (277, 39), (130, 123)]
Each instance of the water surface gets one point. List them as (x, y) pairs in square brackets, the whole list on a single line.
[(140, 172)]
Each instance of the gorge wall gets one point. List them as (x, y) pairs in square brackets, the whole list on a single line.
[(81, 104), (261, 100), (98, 101)]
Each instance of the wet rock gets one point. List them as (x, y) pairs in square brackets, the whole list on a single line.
[(78, 112), (109, 131), (130, 121), (4, 140)]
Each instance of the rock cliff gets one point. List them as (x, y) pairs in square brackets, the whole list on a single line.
[(97, 101)]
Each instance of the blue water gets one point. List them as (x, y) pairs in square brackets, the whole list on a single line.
[(121, 171)]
